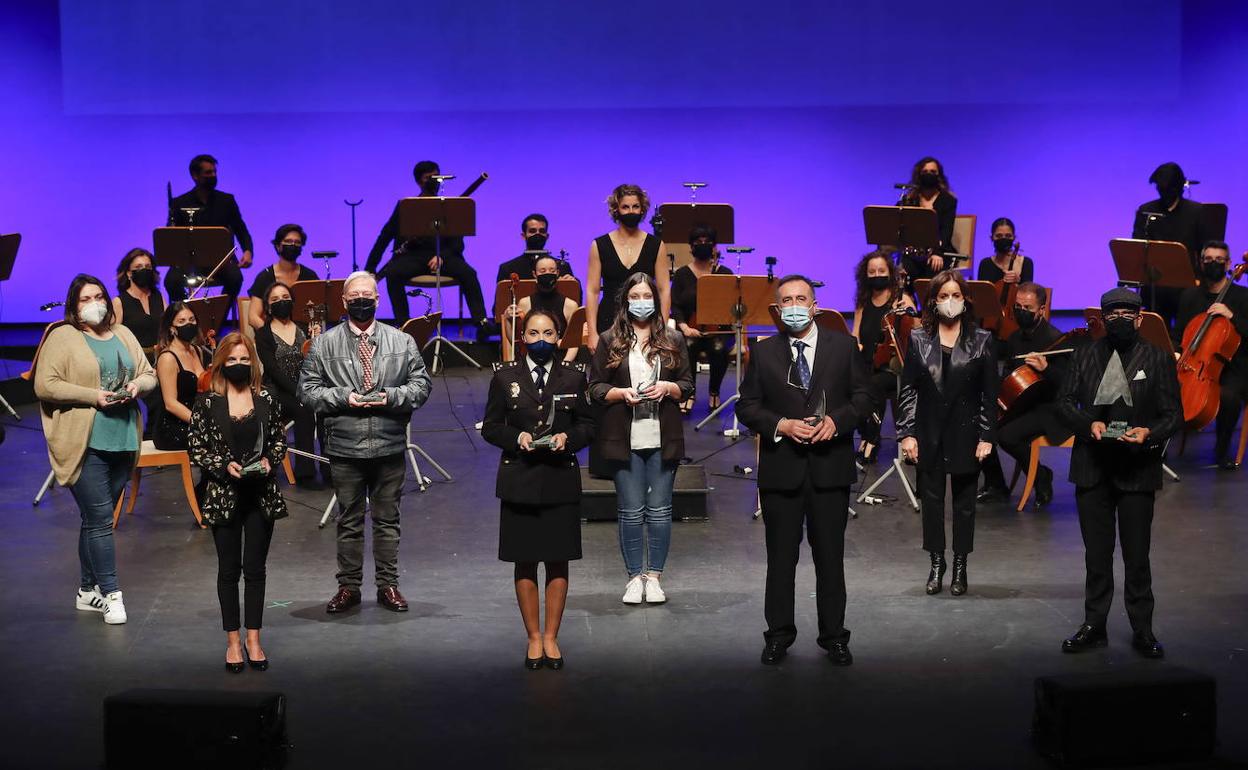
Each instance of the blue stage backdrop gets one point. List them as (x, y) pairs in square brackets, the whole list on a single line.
[(797, 113)]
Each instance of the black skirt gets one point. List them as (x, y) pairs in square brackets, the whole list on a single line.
[(531, 533)]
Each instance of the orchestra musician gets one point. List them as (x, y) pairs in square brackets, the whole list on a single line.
[(535, 230), (214, 209), (1005, 264), (1215, 260), (418, 256), (1034, 334), (929, 189), (947, 418), (181, 357), (878, 292), (139, 306), (547, 298), (703, 242), (288, 242), (1122, 382), (618, 255), (1171, 217)]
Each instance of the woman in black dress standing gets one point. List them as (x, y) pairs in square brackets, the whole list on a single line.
[(716, 347), (877, 293), (947, 418), (139, 306), (539, 486), (181, 358), (279, 343), (615, 256)]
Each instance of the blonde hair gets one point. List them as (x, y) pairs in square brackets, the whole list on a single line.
[(623, 191), (222, 352)]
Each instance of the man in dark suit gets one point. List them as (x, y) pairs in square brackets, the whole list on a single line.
[(803, 396), (213, 208), (1121, 400)]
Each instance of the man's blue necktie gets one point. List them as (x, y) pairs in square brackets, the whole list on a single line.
[(803, 368)]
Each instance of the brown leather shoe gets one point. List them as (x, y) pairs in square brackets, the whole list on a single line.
[(345, 599), (390, 598)]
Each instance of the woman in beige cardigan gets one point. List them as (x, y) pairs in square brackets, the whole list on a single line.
[(87, 378)]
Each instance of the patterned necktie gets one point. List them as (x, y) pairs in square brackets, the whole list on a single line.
[(540, 372), (366, 362), (803, 368)]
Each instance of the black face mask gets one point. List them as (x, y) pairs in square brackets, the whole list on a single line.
[(362, 309), (546, 281), (208, 183), (291, 251), (703, 251), (1169, 195), (282, 308), (144, 278), (630, 220), (877, 282), (1213, 271), (1025, 318), (187, 332), (1121, 332), (1002, 245), (535, 242), (929, 181), (431, 187), (237, 373)]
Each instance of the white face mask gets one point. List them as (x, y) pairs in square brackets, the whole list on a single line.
[(950, 308), (93, 314)]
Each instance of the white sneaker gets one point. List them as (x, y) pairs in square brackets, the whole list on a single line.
[(114, 610), (90, 601), (654, 591), (634, 590)]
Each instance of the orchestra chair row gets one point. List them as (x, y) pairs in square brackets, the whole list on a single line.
[(1033, 467)]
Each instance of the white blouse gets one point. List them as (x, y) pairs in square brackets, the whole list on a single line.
[(645, 429)]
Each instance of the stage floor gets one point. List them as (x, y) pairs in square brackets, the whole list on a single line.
[(937, 681)]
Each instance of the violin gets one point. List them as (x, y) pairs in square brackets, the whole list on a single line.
[(316, 324), (1025, 387), (1209, 342)]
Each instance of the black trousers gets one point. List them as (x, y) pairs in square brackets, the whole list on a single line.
[(242, 549), (380, 479), (1234, 384), (1015, 438), (824, 513), (230, 277), (404, 267), (881, 388), (932, 501), (717, 348), (1099, 506)]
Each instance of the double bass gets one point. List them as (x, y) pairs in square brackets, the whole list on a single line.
[(1209, 342)]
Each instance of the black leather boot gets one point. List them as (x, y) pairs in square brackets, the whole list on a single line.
[(957, 586), (937, 575)]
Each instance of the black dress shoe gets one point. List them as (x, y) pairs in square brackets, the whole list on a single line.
[(839, 654), (957, 586), (1044, 486), (532, 664), (774, 652), (234, 668), (1147, 645), (554, 664), (1086, 638), (992, 495), (1228, 464), (937, 574)]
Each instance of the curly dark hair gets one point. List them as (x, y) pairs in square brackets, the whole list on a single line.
[(929, 320), (913, 195), (661, 343), (862, 292), (123, 267)]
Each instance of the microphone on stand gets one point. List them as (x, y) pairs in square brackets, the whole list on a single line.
[(904, 186)]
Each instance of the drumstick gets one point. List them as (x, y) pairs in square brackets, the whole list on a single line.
[(1046, 353)]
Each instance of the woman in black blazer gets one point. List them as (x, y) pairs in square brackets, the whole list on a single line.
[(639, 375), (237, 438), (947, 418), (539, 399)]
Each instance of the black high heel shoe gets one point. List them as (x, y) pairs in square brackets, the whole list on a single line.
[(236, 668), (554, 664), (258, 665), (533, 664)]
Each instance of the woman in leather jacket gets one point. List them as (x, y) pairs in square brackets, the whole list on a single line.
[(947, 418)]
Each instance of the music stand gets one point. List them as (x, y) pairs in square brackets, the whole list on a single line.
[(438, 217), (680, 218), (8, 255), (210, 311), (739, 301), (1213, 221), (323, 294), (1152, 264), (192, 249)]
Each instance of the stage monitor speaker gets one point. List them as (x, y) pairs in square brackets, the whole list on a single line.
[(195, 729), (688, 496), (1143, 714)]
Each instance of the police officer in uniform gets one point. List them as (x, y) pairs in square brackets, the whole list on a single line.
[(539, 478)]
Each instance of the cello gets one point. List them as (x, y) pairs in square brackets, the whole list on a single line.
[(1209, 342), (1024, 387), (1007, 292)]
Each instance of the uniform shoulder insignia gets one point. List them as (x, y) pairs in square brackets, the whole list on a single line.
[(501, 365), (575, 366)]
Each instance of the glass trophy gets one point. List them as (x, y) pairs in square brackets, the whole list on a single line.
[(821, 411), (543, 435), (115, 384), (649, 406), (252, 468), (1115, 430)]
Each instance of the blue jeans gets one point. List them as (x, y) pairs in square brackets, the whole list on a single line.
[(99, 485), (643, 493)]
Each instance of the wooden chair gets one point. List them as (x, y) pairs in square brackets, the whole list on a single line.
[(431, 283), (244, 307), (151, 457), (422, 328), (1033, 466), (574, 336), (964, 235)]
